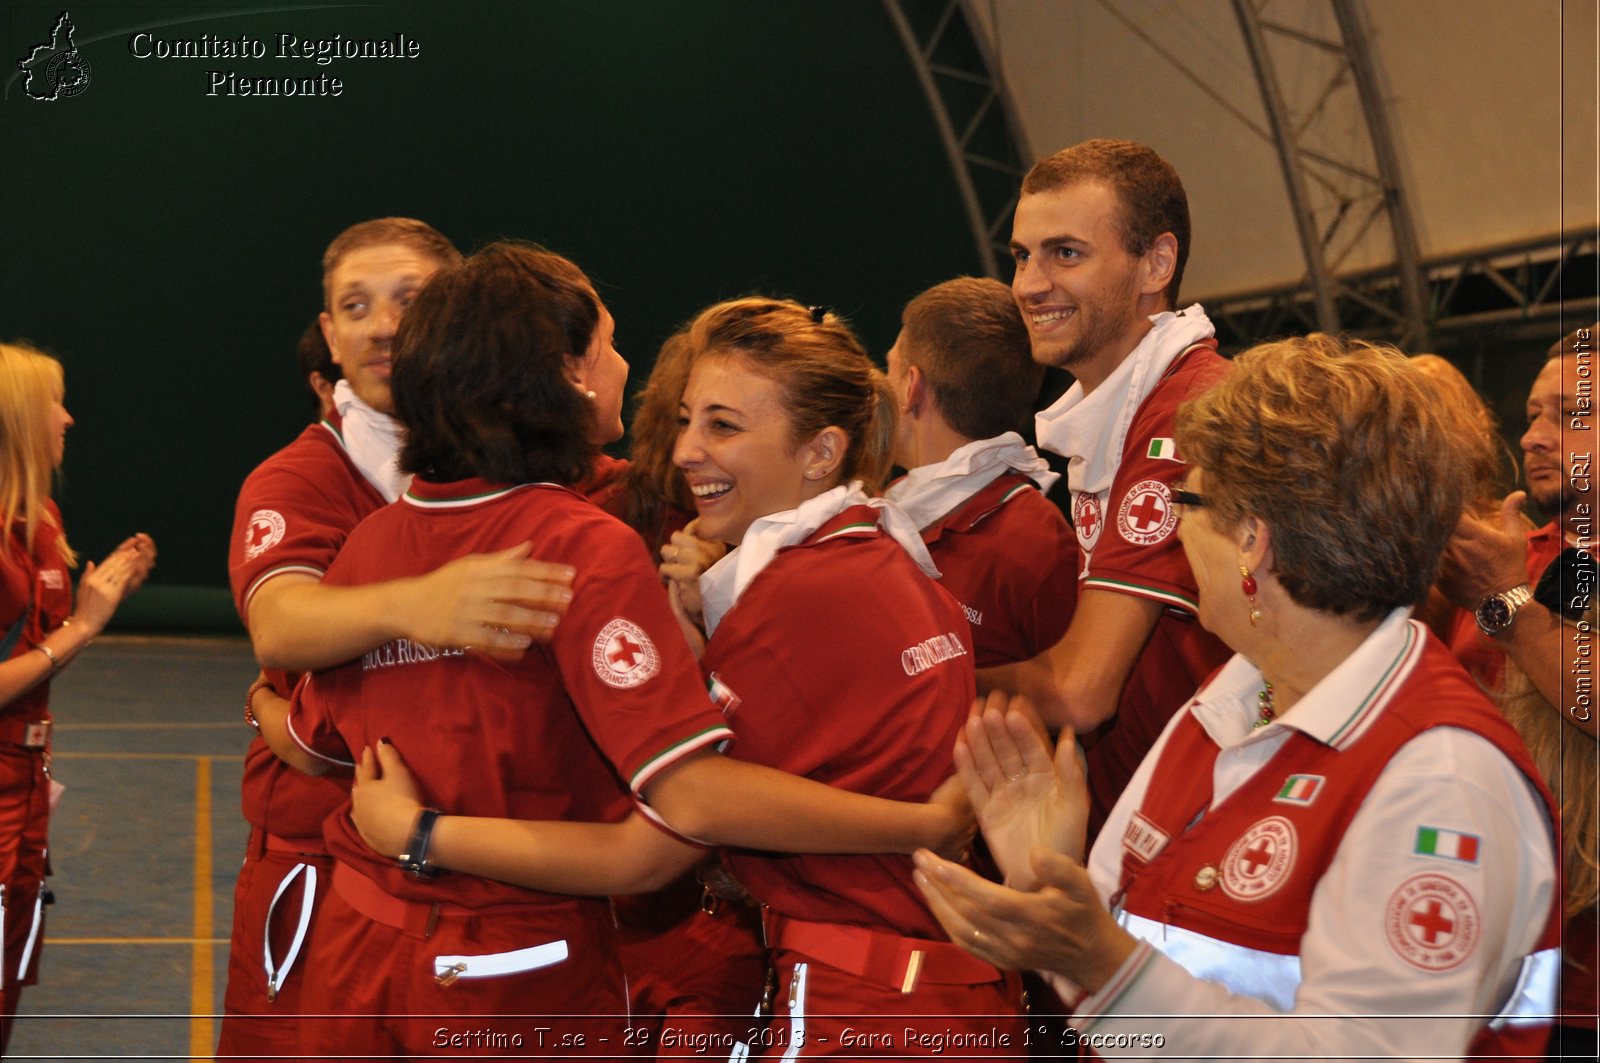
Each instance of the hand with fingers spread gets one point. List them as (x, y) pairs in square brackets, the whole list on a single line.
[(1061, 927), (497, 604), (384, 802), (1023, 797)]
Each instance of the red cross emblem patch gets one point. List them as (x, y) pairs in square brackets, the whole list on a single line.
[(262, 533), (1432, 922), (1086, 520), (1147, 516), (1260, 861), (623, 655)]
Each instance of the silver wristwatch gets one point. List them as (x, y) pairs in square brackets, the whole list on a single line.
[(1496, 612)]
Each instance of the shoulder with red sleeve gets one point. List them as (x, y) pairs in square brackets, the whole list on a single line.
[(295, 510), (561, 733), (1138, 552), (618, 654), (1011, 560)]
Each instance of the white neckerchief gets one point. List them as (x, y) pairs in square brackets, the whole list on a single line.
[(723, 583), (929, 492), (1090, 430), (372, 440)]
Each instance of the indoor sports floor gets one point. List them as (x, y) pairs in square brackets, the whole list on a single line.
[(146, 842)]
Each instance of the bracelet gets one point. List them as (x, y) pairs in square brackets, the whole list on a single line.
[(55, 665), (415, 858), (261, 683)]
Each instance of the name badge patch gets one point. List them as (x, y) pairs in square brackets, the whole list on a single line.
[(1144, 839)]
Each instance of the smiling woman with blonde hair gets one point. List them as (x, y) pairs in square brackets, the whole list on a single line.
[(40, 632)]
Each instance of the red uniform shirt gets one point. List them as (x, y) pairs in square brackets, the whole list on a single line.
[(36, 589), (293, 515), (1131, 547), (546, 737), (1011, 560), (844, 663)]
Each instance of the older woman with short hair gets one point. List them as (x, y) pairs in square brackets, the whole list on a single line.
[(1338, 832)]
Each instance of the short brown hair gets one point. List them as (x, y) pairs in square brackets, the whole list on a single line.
[(822, 371), (968, 338), (1147, 187), (1493, 468), (1578, 341), (407, 232), (480, 379), (1341, 448)]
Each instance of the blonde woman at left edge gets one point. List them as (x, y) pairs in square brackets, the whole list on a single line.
[(41, 631)]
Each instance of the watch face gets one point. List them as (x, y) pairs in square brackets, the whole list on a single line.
[(1493, 614)]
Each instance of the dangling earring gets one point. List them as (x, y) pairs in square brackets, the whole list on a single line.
[(1248, 584)]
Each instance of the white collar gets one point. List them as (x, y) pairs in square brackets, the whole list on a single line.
[(723, 583), (928, 492), (1090, 430), (372, 440), (1337, 710)]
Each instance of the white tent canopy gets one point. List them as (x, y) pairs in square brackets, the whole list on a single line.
[(1491, 108)]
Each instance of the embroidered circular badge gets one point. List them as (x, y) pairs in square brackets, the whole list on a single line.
[(624, 656), (1147, 516), (264, 531), (1431, 922), (1260, 861), (1086, 519)]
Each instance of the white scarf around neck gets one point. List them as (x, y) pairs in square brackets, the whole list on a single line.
[(723, 583), (372, 440), (929, 492), (1090, 430)]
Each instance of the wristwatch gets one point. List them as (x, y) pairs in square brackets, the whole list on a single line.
[(1496, 612), (415, 858)]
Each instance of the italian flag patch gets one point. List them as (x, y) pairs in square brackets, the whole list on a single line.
[(1164, 449), (1449, 844), (722, 695), (1299, 789)]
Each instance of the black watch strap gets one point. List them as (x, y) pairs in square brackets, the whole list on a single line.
[(415, 858)]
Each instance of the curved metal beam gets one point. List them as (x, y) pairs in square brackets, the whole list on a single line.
[(985, 219)]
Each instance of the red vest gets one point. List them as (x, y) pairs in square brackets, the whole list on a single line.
[(1229, 897)]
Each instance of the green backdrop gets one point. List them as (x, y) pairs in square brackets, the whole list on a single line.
[(165, 243)]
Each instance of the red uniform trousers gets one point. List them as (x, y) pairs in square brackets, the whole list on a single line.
[(852, 993), (383, 983), (695, 976), (24, 829), (281, 888)]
